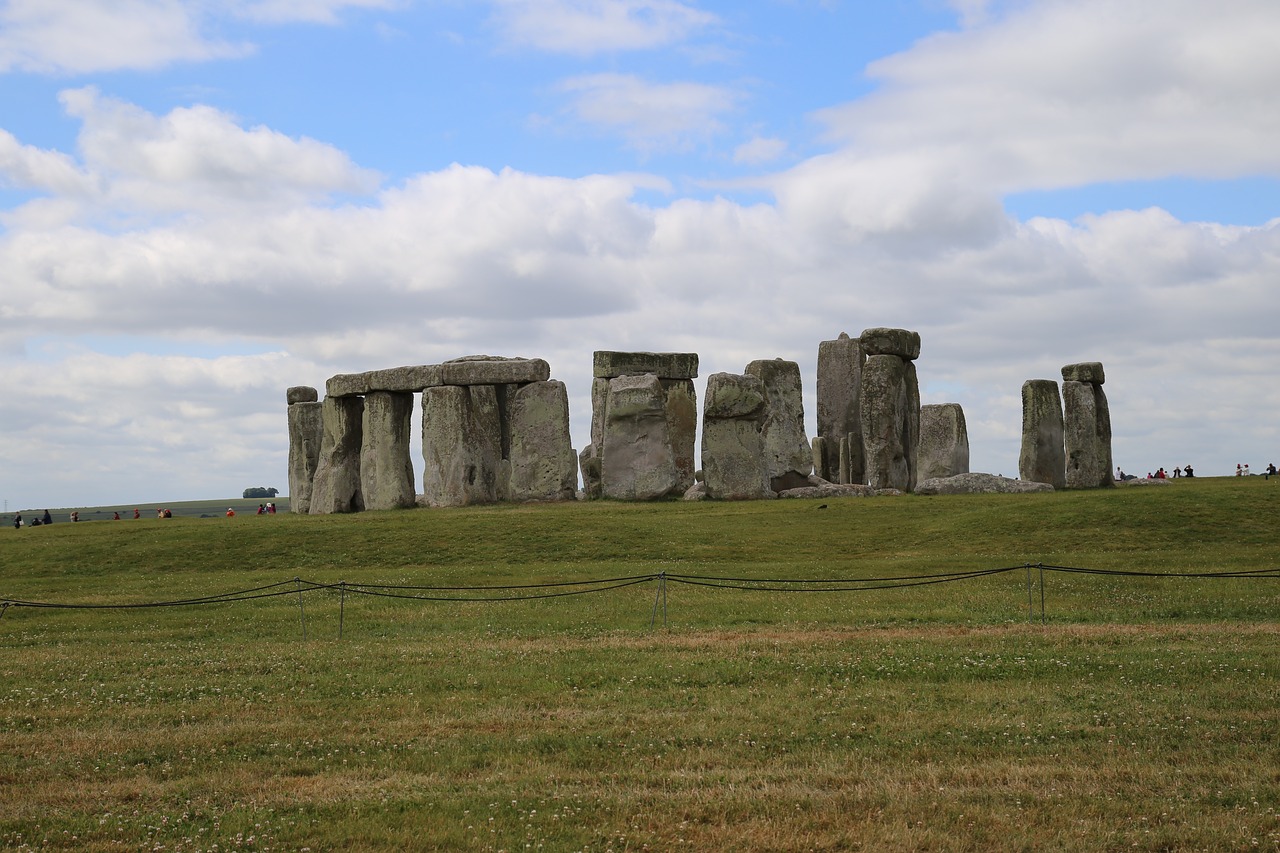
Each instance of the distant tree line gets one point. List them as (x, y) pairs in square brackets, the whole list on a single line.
[(261, 492)]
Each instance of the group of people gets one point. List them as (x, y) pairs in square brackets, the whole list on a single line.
[(263, 509), (35, 522), (1243, 471), (1160, 474)]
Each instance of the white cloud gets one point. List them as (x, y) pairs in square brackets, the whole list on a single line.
[(650, 116), (192, 159), (588, 27), (79, 36), (760, 150), (84, 36)]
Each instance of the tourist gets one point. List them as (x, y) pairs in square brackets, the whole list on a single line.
[(1239, 469), (1246, 469), (230, 512), (1271, 469), (1187, 472), (136, 514), (1177, 472), (75, 516), (271, 508), (262, 509), (17, 520), (48, 519), (115, 516)]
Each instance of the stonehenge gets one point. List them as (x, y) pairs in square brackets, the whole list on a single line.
[(944, 442), (1086, 427), (496, 429), (837, 456), (1066, 440), (1042, 459), (644, 421), (890, 408)]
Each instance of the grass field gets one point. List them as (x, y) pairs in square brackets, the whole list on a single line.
[(1142, 713)]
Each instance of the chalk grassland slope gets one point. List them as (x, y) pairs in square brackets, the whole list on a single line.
[(1142, 714)]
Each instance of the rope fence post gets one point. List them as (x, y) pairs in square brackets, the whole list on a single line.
[(1041, 567), (660, 595), (342, 605), (302, 611)]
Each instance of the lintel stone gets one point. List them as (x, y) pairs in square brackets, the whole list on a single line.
[(1087, 371), (301, 394), (492, 370), (899, 342), (664, 365)]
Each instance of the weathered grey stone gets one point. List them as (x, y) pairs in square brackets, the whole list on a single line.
[(788, 457), (733, 395), (301, 394), (461, 445), (637, 462), (1087, 371), (974, 484), (493, 370), (681, 407), (733, 458), (589, 465), (665, 365), (386, 469), (1042, 458), (829, 490), (1087, 433), (850, 448), (544, 466), (398, 379), (306, 435), (599, 405), (890, 422), (900, 342), (336, 485), (1147, 481), (839, 386), (944, 442), (818, 448), (696, 492)]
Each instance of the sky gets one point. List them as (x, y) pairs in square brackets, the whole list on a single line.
[(205, 202)]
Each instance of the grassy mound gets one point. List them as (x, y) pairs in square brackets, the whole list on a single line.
[(1141, 712)]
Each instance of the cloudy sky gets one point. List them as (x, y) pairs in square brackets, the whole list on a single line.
[(203, 202)]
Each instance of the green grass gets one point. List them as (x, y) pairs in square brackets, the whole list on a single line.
[(1142, 714)]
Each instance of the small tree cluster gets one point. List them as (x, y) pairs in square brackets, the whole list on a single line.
[(261, 492)]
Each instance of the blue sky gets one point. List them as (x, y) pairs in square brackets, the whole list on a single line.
[(203, 203)]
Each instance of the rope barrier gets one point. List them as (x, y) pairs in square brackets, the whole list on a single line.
[(563, 589)]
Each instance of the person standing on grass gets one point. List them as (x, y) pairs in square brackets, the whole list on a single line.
[(17, 520), (136, 514), (48, 519)]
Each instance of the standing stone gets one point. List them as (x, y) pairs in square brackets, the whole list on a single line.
[(1087, 427), (386, 467), (306, 434), (788, 457), (839, 418), (944, 442), (675, 373), (543, 464), (461, 445), (336, 487), (637, 462), (733, 458), (886, 425), (1042, 459), (681, 407)]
